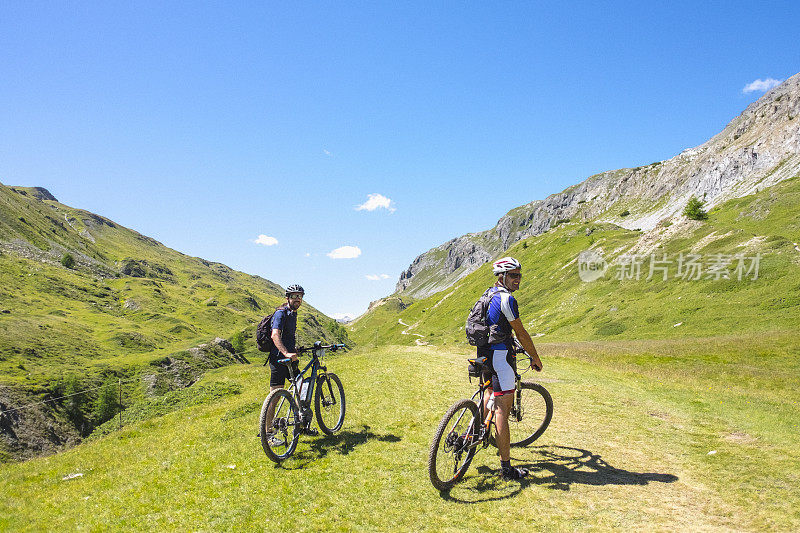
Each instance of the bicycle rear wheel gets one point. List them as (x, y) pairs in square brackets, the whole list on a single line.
[(531, 414), (451, 452), (329, 403), (279, 436)]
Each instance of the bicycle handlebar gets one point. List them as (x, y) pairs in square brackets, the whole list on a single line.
[(317, 346)]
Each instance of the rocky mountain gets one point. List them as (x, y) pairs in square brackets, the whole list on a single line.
[(759, 148)]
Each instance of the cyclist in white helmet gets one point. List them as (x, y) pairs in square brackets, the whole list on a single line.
[(504, 322)]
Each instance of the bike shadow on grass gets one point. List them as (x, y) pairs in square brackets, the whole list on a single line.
[(554, 467), (340, 443)]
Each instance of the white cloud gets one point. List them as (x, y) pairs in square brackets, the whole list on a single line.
[(375, 201), (761, 85), (345, 252), (266, 240), (377, 277), (308, 254), (324, 151)]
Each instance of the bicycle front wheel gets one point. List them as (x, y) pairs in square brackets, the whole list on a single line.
[(329, 403), (531, 414), (451, 451), (279, 425)]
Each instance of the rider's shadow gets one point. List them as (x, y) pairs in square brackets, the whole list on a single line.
[(568, 466), (341, 443), (558, 468)]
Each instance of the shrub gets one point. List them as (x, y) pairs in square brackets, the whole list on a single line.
[(237, 341), (107, 404), (74, 400), (68, 261), (694, 209)]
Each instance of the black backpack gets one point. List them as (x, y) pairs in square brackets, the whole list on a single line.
[(264, 332), (476, 328)]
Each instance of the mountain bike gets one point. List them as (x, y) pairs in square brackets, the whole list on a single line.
[(469, 425), (287, 413)]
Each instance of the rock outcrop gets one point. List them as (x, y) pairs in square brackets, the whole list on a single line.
[(758, 149), (40, 193)]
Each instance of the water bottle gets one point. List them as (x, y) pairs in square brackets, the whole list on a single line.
[(489, 414)]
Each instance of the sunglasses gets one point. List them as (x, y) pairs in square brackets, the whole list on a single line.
[(295, 296), (514, 275)]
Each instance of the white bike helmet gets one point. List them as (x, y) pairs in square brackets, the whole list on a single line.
[(504, 265), (291, 289)]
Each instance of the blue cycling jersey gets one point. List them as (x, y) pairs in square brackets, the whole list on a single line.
[(285, 320), (502, 310)]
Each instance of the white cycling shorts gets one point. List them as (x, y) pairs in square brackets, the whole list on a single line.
[(504, 378)]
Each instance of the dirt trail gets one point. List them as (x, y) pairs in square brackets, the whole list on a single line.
[(419, 342)]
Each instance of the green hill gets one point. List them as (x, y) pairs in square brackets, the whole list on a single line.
[(556, 303), (84, 301)]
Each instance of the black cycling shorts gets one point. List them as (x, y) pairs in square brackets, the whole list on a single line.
[(279, 372)]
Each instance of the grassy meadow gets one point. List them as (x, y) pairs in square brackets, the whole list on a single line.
[(697, 434)]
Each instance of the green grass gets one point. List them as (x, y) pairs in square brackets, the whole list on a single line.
[(629, 447)]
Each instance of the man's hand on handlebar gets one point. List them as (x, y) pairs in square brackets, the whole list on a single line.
[(292, 356), (536, 363)]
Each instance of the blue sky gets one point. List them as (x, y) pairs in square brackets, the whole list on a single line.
[(207, 124)]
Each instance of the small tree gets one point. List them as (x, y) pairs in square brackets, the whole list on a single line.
[(237, 341), (694, 209), (74, 399), (68, 261), (107, 404)]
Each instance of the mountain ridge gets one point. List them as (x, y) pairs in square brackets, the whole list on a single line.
[(757, 149)]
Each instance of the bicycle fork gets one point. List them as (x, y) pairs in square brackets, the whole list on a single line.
[(329, 399)]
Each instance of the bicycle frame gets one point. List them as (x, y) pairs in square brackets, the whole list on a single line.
[(318, 369)]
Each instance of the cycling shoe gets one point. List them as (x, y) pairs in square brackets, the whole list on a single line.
[(512, 473)]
